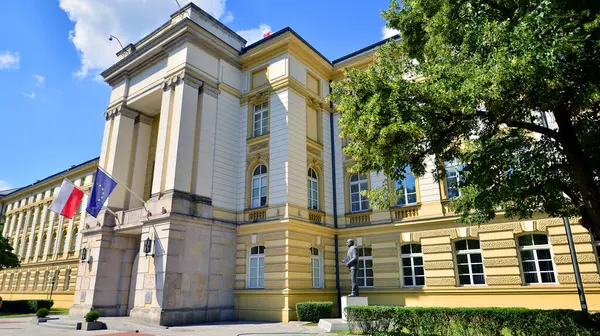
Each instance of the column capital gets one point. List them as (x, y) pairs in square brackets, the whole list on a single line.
[(120, 110), (209, 90), (144, 119)]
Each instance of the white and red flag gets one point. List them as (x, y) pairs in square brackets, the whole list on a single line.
[(68, 199)]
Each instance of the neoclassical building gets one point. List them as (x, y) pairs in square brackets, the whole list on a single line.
[(248, 199)]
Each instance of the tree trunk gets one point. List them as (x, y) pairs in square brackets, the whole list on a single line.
[(584, 176)]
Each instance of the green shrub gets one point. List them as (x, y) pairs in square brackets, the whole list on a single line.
[(42, 312), (92, 316), (388, 320), (25, 306), (313, 311)]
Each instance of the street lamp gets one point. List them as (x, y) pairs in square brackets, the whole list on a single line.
[(148, 246)]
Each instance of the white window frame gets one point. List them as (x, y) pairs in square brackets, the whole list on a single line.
[(260, 126), (261, 180), (405, 193), (411, 257), (457, 170), (362, 281), (313, 189), (316, 272), (256, 256), (534, 248), (359, 182), (469, 263)]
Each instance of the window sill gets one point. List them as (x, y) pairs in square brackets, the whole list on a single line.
[(406, 211), (258, 138), (359, 217)]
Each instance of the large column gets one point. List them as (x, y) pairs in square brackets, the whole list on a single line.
[(58, 241), (12, 225), (67, 241), (81, 224), (51, 220), (36, 216), (15, 237), (6, 225), (204, 149), (24, 238), (45, 210), (119, 152), (176, 135), (137, 174)]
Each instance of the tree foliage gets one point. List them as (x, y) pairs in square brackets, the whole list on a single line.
[(467, 80), (7, 258)]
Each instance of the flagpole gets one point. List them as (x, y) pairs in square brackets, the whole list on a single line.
[(124, 186)]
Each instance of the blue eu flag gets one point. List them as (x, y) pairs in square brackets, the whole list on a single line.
[(103, 186)]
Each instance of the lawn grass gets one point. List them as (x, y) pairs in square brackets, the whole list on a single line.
[(53, 311)]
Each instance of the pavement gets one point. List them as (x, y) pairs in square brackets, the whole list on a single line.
[(123, 326)]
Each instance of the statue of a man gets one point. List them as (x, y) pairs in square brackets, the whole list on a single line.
[(351, 261)]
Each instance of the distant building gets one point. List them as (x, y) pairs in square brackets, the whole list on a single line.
[(238, 159)]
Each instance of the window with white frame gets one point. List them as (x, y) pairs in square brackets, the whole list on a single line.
[(256, 267), (358, 184), (313, 189), (411, 257), (454, 177), (536, 259), (259, 186), (316, 267), (365, 267), (469, 263), (261, 119), (407, 188)]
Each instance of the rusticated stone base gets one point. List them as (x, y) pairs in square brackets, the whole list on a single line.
[(179, 317)]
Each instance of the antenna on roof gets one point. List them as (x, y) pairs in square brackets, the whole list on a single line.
[(178, 4)]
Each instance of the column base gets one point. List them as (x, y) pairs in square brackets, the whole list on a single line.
[(181, 316), (79, 310)]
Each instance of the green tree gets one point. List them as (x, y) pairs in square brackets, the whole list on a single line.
[(467, 80), (7, 258)]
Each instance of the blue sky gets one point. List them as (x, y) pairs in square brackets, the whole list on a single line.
[(52, 51)]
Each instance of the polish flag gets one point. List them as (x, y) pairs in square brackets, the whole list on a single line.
[(266, 33), (67, 200)]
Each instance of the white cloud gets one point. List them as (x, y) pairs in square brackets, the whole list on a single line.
[(388, 32), (255, 34), (9, 60), (4, 185), (128, 20), (28, 95), (39, 80), (228, 17)]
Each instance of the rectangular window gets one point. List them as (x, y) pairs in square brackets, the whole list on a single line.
[(358, 184), (453, 178), (316, 268), (256, 267), (365, 267), (36, 277), (45, 284), (407, 189), (260, 119), (67, 280), (536, 259), (469, 262), (413, 273)]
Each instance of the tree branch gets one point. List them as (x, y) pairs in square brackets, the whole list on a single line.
[(524, 125)]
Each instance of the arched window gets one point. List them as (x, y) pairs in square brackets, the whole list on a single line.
[(358, 184), (413, 274), (52, 243), (407, 188), (73, 240), (316, 267), (35, 241), (63, 241), (313, 189), (259, 186), (261, 119), (454, 177), (256, 267), (43, 243), (365, 267), (469, 262), (536, 259)]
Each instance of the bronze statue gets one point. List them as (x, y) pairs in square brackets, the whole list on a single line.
[(351, 261)]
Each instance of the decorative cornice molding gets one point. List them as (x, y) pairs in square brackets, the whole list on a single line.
[(120, 110), (209, 90)]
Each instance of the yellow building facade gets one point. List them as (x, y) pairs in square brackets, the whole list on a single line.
[(248, 199)]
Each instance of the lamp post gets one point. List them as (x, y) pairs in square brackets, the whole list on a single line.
[(148, 246), (52, 284)]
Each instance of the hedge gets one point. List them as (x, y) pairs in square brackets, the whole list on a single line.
[(313, 311), (25, 306), (388, 320)]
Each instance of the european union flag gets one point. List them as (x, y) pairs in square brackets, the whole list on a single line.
[(103, 186)]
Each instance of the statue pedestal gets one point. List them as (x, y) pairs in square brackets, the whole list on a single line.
[(348, 301)]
